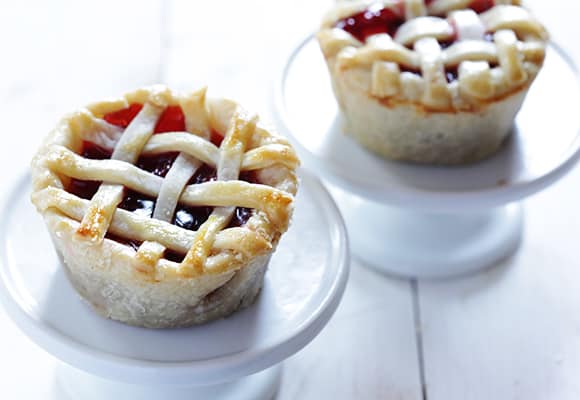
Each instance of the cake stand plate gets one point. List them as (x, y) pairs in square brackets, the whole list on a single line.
[(431, 221), (233, 358)]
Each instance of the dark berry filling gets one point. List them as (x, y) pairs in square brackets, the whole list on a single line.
[(205, 173), (452, 73), (404, 68), (186, 217), (240, 217), (158, 164), (86, 189), (137, 203), (173, 256), (447, 43), (191, 217), (83, 189), (94, 152), (488, 36)]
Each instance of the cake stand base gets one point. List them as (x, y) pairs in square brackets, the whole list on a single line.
[(82, 385), (455, 236), (237, 357), (419, 244)]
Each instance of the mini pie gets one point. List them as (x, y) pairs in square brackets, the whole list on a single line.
[(165, 208), (432, 81)]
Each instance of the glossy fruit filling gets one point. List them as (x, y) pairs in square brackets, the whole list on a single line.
[(375, 19), (452, 71), (378, 19), (191, 218), (480, 6)]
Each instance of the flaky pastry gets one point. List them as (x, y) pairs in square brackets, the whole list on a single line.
[(432, 81), (165, 207)]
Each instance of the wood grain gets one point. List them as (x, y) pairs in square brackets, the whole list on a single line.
[(367, 351), (512, 332)]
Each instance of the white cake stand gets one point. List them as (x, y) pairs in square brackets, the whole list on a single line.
[(427, 221), (234, 358)]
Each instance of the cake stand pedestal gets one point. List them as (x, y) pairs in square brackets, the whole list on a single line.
[(238, 357), (85, 386), (425, 244), (430, 221)]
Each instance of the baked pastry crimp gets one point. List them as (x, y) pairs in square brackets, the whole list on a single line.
[(165, 208), (437, 81)]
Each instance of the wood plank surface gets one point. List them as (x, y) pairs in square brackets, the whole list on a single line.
[(367, 351), (89, 51), (514, 332), (58, 55)]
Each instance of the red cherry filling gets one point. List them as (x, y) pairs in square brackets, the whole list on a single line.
[(186, 217), (123, 118), (172, 120), (375, 19), (378, 19), (216, 138), (480, 6)]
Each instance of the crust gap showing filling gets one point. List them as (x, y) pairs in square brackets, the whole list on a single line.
[(378, 19), (191, 218)]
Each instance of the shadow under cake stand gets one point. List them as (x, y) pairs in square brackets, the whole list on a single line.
[(429, 221), (234, 358)]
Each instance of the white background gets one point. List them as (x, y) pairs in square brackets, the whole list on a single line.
[(510, 333)]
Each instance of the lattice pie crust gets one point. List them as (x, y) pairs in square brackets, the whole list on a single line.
[(444, 86), (222, 267)]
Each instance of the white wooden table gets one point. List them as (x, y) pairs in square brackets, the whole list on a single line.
[(510, 333)]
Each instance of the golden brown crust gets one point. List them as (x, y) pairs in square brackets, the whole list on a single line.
[(214, 255), (487, 71), (423, 109), (410, 98)]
